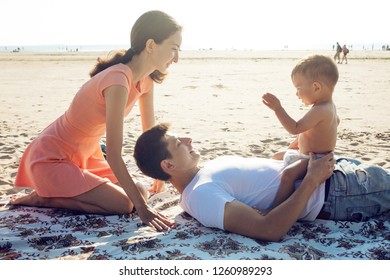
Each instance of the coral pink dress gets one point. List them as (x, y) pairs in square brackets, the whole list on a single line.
[(65, 160)]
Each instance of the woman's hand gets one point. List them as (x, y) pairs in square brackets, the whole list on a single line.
[(158, 186), (154, 219)]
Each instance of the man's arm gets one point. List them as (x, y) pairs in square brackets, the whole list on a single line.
[(242, 219), (292, 173)]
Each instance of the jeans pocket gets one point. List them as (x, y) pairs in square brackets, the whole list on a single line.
[(351, 179), (339, 181)]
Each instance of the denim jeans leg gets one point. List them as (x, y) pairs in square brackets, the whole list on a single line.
[(357, 191)]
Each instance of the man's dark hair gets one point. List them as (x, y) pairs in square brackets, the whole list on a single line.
[(150, 149)]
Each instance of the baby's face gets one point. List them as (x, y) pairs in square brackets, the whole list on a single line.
[(306, 89)]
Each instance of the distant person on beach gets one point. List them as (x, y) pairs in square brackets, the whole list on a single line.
[(338, 52), (345, 52), (314, 78), (231, 192), (65, 165)]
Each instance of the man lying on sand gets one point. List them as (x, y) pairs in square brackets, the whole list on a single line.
[(232, 193)]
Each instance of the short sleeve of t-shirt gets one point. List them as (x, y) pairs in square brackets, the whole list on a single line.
[(206, 203), (115, 77)]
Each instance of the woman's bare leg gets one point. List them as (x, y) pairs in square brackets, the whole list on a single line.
[(106, 199)]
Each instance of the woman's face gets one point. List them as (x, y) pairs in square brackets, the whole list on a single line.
[(167, 52)]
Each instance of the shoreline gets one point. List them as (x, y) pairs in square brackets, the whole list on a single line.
[(196, 55)]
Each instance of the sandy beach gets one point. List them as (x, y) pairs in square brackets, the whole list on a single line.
[(215, 97)]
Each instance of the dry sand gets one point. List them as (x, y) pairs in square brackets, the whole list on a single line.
[(215, 97)]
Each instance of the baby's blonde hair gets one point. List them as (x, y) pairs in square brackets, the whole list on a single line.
[(318, 68)]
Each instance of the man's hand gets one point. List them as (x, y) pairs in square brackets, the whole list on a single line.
[(320, 169)]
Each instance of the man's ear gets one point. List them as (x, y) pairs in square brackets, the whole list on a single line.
[(167, 166)]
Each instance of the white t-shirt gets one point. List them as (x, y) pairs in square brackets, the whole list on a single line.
[(253, 181)]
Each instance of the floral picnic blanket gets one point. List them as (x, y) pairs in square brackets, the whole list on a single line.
[(45, 233)]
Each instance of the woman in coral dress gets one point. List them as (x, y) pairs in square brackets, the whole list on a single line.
[(64, 164)]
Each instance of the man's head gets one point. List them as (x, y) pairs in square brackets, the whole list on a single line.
[(161, 155)]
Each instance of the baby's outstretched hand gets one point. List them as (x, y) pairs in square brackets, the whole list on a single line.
[(271, 101)]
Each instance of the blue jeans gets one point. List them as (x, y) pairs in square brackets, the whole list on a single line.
[(357, 191)]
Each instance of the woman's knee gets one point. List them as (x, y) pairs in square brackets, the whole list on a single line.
[(123, 205), (110, 197)]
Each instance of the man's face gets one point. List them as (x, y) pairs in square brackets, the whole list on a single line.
[(183, 156)]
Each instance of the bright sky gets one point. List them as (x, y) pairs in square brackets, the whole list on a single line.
[(217, 24)]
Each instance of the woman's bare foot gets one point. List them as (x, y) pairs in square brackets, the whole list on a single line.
[(158, 186), (32, 199)]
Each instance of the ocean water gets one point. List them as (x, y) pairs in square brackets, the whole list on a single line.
[(63, 48), (104, 48)]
